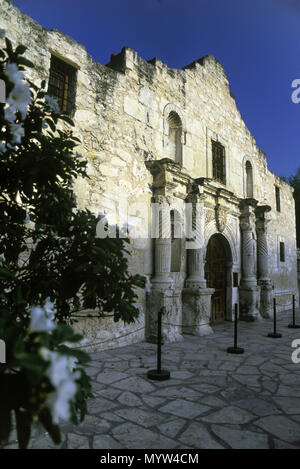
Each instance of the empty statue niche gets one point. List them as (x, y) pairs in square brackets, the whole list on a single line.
[(175, 136)]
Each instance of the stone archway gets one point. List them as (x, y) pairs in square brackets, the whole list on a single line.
[(218, 275)]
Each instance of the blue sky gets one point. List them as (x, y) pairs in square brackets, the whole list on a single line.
[(257, 42)]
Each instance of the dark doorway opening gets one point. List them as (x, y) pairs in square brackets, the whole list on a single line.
[(216, 273)]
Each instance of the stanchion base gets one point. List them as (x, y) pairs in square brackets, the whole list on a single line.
[(236, 350), (294, 326), (274, 336), (158, 375)]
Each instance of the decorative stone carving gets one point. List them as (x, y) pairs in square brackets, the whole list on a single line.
[(249, 291), (170, 300), (266, 289), (196, 311), (221, 217), (262, 246), (209, 216), (247, 223)]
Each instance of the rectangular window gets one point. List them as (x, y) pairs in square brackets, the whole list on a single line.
[(277, 196), (62, 84), (218, 160), (282, 252)]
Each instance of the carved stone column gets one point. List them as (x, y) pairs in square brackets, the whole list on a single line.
[(163, 292), (249, 291), (266, 289), (162, 252), (196, 297), (195, 253), (196, 269)]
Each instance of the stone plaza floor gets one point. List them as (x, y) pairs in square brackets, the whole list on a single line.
[(213, 399)]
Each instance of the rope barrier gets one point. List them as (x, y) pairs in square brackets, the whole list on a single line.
[(143, 327), (285, 305), (179, 325), (111, 339)]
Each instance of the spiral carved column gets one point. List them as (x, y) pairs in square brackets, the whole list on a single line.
[(266, 289), (249, 291)]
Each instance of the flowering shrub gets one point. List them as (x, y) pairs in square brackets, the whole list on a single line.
[(51, 263)]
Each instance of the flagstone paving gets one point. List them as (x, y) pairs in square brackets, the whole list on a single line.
[(213, 399)]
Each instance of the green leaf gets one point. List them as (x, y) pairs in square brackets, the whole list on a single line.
[(4, 272), (51, 124), (20, 49), (66, 119), (23, 420), (5, 421), (9, 47), (53, 430), (23, 61), (83, 357)]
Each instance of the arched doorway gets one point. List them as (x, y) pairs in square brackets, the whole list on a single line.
[(218, 264)]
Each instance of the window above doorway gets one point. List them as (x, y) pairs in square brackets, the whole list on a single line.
[(62, 84), (218, 162)]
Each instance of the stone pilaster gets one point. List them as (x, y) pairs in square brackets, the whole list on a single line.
[(196, 269), (196, 298), (248, 290), (162, 252), (266, 289), (163, 293), (170, 300), (195, 244)]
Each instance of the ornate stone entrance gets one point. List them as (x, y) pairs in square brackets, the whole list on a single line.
[(217, 264)]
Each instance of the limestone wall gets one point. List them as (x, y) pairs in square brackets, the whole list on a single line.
[(121, 118)]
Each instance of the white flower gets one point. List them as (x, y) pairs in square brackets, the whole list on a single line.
[(19, 98), (72, 362), (11, 147), (61, 375), (42, 319), (49, 309), (17, 131), (2, 33), (13, 74), (3, 148), (51, 103), (9, 115), (27, 219), (58, 370), (60, 401), (2, 257)]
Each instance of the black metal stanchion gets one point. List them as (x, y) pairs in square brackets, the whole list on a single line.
[(158, 374), (294, 325), (235, 348), (274, 334)]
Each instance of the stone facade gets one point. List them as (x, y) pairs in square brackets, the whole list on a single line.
[(147, 132)]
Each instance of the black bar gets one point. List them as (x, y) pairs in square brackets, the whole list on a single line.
[(294, 318), (274, 314), (235, 349), (159, 374), (294, 325), (274, 334), (159, 341)]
